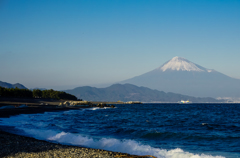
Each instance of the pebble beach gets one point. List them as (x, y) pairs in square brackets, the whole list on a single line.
[(15, 146)]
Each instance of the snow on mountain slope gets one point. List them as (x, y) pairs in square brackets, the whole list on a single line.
[(179, 63)]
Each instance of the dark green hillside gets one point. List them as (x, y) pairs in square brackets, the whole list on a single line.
[(129, 92), (36, 93)]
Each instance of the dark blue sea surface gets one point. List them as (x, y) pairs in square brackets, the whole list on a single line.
[(162, 130)]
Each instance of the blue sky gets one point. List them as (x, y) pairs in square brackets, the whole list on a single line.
[(63, 44)]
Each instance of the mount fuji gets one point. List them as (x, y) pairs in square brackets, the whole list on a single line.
[(180, 75)]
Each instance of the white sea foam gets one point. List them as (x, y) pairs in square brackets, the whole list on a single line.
[(126, 146), (97, 108), (93, 108)]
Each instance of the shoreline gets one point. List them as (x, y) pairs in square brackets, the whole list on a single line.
[(13, 145)]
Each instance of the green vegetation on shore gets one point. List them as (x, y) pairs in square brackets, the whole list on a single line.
[(36, 93)]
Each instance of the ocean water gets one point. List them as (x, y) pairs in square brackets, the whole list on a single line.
[(162, 130)]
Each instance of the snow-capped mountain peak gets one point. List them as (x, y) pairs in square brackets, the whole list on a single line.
[(181, 64), (185, 77)]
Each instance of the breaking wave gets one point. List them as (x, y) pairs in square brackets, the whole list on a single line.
[(126, 146)]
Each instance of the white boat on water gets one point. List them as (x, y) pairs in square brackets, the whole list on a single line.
[(184, 102)]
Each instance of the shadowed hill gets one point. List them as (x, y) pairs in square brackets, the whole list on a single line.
[(129, 92), (9, 85)]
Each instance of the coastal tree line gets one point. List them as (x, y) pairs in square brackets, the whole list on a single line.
[(36, 93)]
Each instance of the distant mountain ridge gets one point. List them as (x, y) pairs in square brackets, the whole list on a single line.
[(9, 85), (180, 75), (129, 92)]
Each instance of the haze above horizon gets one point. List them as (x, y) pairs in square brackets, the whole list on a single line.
[(64, 44)]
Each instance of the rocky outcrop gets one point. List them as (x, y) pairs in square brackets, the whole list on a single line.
[(83, 103), (101, 105), (75, 103)]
